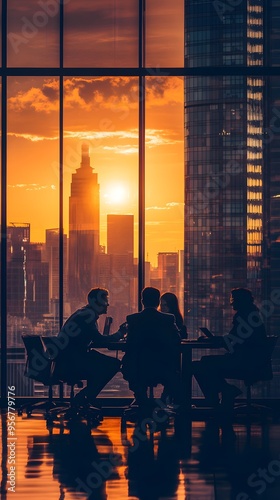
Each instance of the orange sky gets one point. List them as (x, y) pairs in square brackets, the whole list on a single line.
[(104, 113)]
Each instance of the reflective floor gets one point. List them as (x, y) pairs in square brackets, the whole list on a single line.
[(114, 462)]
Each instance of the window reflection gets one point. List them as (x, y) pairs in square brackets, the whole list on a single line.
[(32, 211), (101, 186), (33, 34), (103, 33)]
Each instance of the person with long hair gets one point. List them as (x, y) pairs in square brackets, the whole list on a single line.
[(169, 304)]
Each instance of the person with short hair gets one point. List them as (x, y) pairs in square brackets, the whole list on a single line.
[(152, 349), (247, 351), (78, 337)]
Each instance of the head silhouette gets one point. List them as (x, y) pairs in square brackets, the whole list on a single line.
[(150, 297), (169, 303), (98, 300), (241, 298)]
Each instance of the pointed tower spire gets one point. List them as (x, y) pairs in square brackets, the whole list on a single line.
[(85, 156)]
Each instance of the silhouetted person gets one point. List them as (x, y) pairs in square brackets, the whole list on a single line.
[(247, 350), (152, 348), (79, 335), (169, 304)]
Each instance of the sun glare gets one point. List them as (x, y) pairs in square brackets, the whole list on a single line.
[(116, 194)]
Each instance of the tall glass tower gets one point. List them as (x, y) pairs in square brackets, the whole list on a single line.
[(83, 231), (226, 176)]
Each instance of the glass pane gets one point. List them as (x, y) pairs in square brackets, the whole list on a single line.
[(101, 33), (164, 33), (33, 34), (165, 184), (101, 195), (273, 53), (1, 32), (215, 34), (232, 189), (33, 184)]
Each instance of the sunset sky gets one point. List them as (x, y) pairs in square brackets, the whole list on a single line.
[(102, 112)]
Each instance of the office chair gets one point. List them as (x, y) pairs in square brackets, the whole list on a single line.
[(263, 373), (134, 412), (39, 368), (69, 410)]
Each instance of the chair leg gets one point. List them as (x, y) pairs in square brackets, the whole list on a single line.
[(44, 406), (249, 408), (72, 410)]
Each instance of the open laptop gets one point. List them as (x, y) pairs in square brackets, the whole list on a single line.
[(207, 332)]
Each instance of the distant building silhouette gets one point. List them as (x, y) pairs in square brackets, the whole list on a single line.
[(51, 255), (83, 231), (121, 280), (168, 271), (27, 275)]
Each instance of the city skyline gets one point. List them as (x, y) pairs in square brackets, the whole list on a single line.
[(208, 116), (112, 136)]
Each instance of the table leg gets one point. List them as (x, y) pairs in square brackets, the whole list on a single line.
[(186, 373)]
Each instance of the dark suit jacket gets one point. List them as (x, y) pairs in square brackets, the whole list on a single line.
[(152, 346)]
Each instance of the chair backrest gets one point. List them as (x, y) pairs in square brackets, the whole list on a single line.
[(38, 366), (57, 374), (264, 372)]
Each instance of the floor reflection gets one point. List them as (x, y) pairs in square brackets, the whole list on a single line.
[(117, 462), (78, 465), (152, 467)]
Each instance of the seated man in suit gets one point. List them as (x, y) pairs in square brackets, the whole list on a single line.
[(79, 332), (247, 351), (152, 350)]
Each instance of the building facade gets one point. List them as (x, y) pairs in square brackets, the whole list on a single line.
[(229, 168), (83, 231)]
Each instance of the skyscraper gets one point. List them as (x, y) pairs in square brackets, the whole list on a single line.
[(27, 290), (51, 255), (83, 231), (230, 163), (168, 271), (121, 279)]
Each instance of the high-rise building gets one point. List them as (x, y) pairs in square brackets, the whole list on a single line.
[(121, 278), (271, 267), (51, 255), (27, 275), (168, 269), (229, 166), (83, 231), (18, 238)]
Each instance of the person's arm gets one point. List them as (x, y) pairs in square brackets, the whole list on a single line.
[(99, 340)]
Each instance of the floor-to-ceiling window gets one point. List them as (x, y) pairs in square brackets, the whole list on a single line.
[(105, 106), (93, 165)]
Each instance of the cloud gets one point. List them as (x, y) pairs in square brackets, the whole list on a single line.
[(125, 142), (33, 187), (32, 137), (40, 99), (167, 206), (122, 150), (117, 94)]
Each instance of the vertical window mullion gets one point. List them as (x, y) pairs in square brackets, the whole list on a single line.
[(61, 249), (141, 231), (4, 208)]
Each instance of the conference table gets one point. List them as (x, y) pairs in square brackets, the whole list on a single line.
[(187, 349)]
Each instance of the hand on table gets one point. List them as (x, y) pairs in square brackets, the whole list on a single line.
[(122, 330)]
